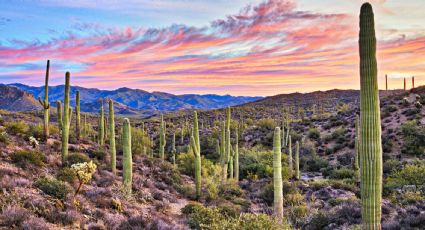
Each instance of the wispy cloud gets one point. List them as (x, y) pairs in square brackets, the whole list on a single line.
[(264, 49)]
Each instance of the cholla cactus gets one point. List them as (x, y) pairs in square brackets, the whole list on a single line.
[(84, 172), (33, 142)]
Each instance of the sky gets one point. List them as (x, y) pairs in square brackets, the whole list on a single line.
[(238, 47)]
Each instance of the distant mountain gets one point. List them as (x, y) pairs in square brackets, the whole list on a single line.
[(139, 100), (14, 99)]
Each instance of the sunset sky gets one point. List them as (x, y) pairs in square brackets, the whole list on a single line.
[(237, 47)]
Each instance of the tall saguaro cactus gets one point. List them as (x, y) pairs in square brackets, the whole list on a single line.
[(77, 116), (297, 160), (196, 147), (112, 137), (290, 159), (236, 156), (59, 111), (101, 131), (66, 119), (162, 141), (45, 103), (370, 123), (277, 176), (127, 156), (227, 141), (173, 149), (223, 155)]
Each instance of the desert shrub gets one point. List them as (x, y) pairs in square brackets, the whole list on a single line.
[(314, 163), (319, 221), (4, 137), (13, 216), (99, 154), (200, 217), (267, 193), (387, 144), (339, 135), (391, 165), (314, 133), (24, 157), (36, 131), (53, 187), (344, 159), (343, 173), (16, 127), (230, 190), (414, 138), (75, 158), (186, 165), (293, 199), (258, 163), (67, 174), (412, 174), (267, 123)]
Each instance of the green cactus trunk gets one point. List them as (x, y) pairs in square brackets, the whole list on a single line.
[(77, 114), (236, 156), (59, 112), (227, 141), (277, 176), (283, 134), (112, 137), (196, 147), (66, 119), (85, 127), (297, 161), (290, 159), (101, 131), (223, 160), (232, 153), (173, 149), (370, 123), (127, 156), (162, 141), (45, 103), (182, 135)]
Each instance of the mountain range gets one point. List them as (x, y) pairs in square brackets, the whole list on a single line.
[(132, 101)]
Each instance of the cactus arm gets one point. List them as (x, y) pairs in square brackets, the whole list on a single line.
[(66, 119)]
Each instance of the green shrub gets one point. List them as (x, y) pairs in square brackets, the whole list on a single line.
[(52, 187), (36, 131), (412, 174), (24, 157), (4, 137), (414, 138), (391, 166), (343, 173), (314, 163), (17, 127), (314, 133), (67, 174), (266, 123), (75, 158), (267, 193)]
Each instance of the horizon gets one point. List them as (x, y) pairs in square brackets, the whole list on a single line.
[(243, 48)]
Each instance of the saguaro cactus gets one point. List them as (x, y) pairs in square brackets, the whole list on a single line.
[(370, 123), (112, 137), (162, 141), (223, 158), (232, 154), (59, 111), (236, 155), (297, 160), (386, 82), (227, 141), (173, 149), (277, 176), (413, 82), (127, 156), (101, 131), (356, 165), (77, 116), (196, 148), (404, 86), (45, 103), (290, 160), (66, 119)]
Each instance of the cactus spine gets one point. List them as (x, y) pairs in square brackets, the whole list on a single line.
[(66, 119), (127, 156), (277, 176), (77, 114), (59, 111), (236, 156), (45, 103), (112, 137), (162, 141), (196, 148), (101, 131), (290, 160), (173, 149), (370, 123), (297, 160)]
